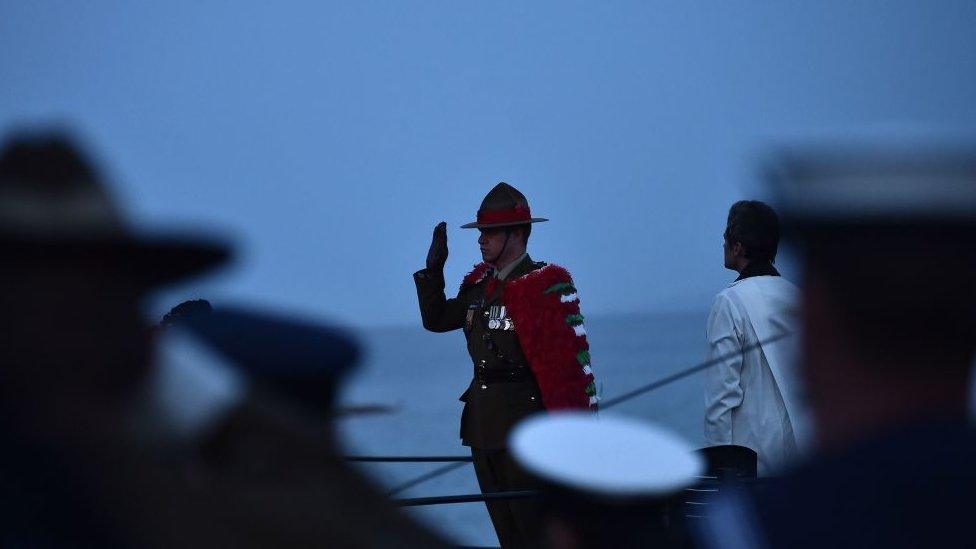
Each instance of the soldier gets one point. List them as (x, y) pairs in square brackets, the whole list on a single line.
[(527, 343)]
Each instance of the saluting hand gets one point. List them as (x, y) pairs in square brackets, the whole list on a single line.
[(437, 255)]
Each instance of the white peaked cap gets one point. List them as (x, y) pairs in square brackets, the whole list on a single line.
[(604, 455), (876, 182)]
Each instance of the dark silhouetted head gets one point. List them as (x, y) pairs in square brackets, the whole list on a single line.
[(751, 234)]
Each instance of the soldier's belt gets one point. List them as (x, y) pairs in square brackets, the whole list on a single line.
[(489, 375)]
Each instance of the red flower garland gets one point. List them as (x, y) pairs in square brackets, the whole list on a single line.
[(476, 275), (549, 343)]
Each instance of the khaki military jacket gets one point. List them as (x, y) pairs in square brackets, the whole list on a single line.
[(492, 404)]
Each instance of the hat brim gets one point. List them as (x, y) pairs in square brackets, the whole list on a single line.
[(151, 261), (476, 225)]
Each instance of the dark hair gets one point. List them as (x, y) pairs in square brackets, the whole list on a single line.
[(191, 307), (756, 226)]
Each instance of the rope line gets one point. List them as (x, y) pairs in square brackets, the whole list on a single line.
[(609, 403), (706, 484), (466, 498)]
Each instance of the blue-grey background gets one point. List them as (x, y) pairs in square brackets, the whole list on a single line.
[(328, 138)]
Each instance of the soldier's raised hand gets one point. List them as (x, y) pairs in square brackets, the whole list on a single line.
[(437, 255)]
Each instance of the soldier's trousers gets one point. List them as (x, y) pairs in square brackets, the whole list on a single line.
[(516, 521)]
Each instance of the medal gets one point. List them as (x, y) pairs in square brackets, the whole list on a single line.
[(498, 319), (469, 318)]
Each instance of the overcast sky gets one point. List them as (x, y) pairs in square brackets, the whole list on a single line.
[(328, 138)]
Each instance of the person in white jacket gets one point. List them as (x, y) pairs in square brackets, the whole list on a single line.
[(750, 394)]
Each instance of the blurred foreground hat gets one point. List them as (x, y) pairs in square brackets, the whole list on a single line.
[(503, 206), (53, 205), (210, 360), (298, 358), (890, 233), (874, 186), (606, 457), (608, 478)]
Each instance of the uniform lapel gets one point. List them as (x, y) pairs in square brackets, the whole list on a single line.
[(524, 267), (496, 287)]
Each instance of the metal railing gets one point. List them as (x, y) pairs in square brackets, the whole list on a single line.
[(456, 462)]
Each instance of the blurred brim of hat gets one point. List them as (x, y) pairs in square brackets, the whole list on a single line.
[(151, 259), (875, 183), (55, 209)]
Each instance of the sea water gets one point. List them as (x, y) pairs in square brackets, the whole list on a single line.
[(422, 374)]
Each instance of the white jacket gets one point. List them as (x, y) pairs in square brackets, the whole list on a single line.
[(751, 398)]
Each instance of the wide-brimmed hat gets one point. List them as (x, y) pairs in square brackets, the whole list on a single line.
[(503, 206), (54, 207)]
